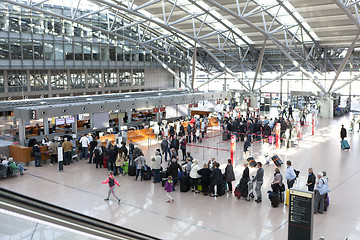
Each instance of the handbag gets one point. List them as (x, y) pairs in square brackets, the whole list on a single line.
[(282, 188)]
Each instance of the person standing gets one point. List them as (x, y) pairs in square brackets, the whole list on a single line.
[(311, 180), (156, 166), (37, 154), (140, 163), (165, 147), (67, 148), (131, 151), (290, 112), (205, 174), (52, 150), (290, 175), (343, 134), (216, 180), (112, 182), (277, 185), (173, 169), (229, 175), (93, 145), (169, 186), (321, 189), (84, 141), (211, 163), (111, 154), (120, 161), (259, 178), (194, 175), (183, 147)]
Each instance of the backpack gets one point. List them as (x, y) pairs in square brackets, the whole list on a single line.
[(296, 173), (111, 182), (97, 152)]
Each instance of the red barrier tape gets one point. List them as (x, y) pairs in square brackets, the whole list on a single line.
[(221, 149)]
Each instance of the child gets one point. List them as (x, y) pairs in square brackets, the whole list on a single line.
[(111, 180), (168, 188)]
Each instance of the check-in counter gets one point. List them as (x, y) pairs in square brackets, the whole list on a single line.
[(140, 135), (23, 154)]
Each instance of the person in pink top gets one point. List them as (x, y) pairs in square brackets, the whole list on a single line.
[(112, 182), (169, 188)]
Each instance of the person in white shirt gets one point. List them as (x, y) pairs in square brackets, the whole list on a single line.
[(156, 166), (84, 141), (290, 175)]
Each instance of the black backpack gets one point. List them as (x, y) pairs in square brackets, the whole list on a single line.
[(111, 182), (296, 173)]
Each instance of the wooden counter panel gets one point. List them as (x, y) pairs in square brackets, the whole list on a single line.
[(23, 154)]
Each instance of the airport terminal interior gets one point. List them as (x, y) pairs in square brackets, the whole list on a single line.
[(179, 99)]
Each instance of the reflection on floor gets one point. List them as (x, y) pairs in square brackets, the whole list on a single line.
[(194, 216)]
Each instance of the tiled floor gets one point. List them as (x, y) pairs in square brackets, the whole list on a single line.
[(194, 216)]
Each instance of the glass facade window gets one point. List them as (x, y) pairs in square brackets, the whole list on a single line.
[(138, 78), (2, 81), (59, 80), (77, 80), (39, 80), (124, 78), (17, 81), (94, 78), (4, 49), (110, 79)]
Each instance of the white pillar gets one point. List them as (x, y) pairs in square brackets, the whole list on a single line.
[(129, 115), (253, 101), (46, 126), (22, 131), (74, 125), (91, 121), (326, 108)]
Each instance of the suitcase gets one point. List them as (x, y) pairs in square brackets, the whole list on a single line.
[(105, 162), (274, 198), (277, 161), (225, 136), (221, 191), (237, 191), (251, 161), (287, 199), (185, 184), (344, 145), (146, 173), (132, 170), (4, 171)]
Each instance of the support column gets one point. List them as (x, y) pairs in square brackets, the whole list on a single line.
[(74, 125), (22, 131), (253, 101), (46, 126), (91, 121), (129, 112), (120, 120), (326, 108)]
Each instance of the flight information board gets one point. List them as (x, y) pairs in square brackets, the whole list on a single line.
[(301, 209)]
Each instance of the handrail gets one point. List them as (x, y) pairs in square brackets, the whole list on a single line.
[(38, 209)]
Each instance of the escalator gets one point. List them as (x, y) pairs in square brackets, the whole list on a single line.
[(22, 217)]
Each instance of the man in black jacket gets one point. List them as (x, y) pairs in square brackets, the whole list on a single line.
[(173, 171), (175, 144), (111, 154), (216, 180), (311, 180), (93, 145), (259, 178), (205, 174), (343, 133)]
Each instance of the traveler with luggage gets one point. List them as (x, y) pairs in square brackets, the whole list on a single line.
[(277, 185), (140, 163), (216, 180), (343, 133), (84, 141), (229, 175), (311, 180), (112, 182), (194, 175), (205, 174), (320, 192), (173, 169), (120, 161), (259, 179), (290, 175), (37, 154), (156, 166), (183, 147)]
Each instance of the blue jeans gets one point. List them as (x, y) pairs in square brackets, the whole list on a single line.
[(139, 171), (84, 152), (111, 167), (21, 169), (175, 179), (67, 157), (37, 161), (91, 155), (156, 173), (120, 169), (167, 150)]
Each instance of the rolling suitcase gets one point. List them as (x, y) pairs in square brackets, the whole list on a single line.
[(221, 191), (185, 184), (132, 170), (225, 136), (277, 161), (344, 144), (274, 198), (146, 173), (237, 191), (4, 171), (105, 162), (251, 162)]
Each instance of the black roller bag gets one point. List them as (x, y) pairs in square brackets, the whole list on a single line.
[(185, 184), (277, 161), (131, 170), (251, 162), (274, 198), (146, 173)]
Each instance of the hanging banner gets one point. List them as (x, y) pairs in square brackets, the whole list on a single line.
[(232, 148), (156, 110), (277, 132)]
